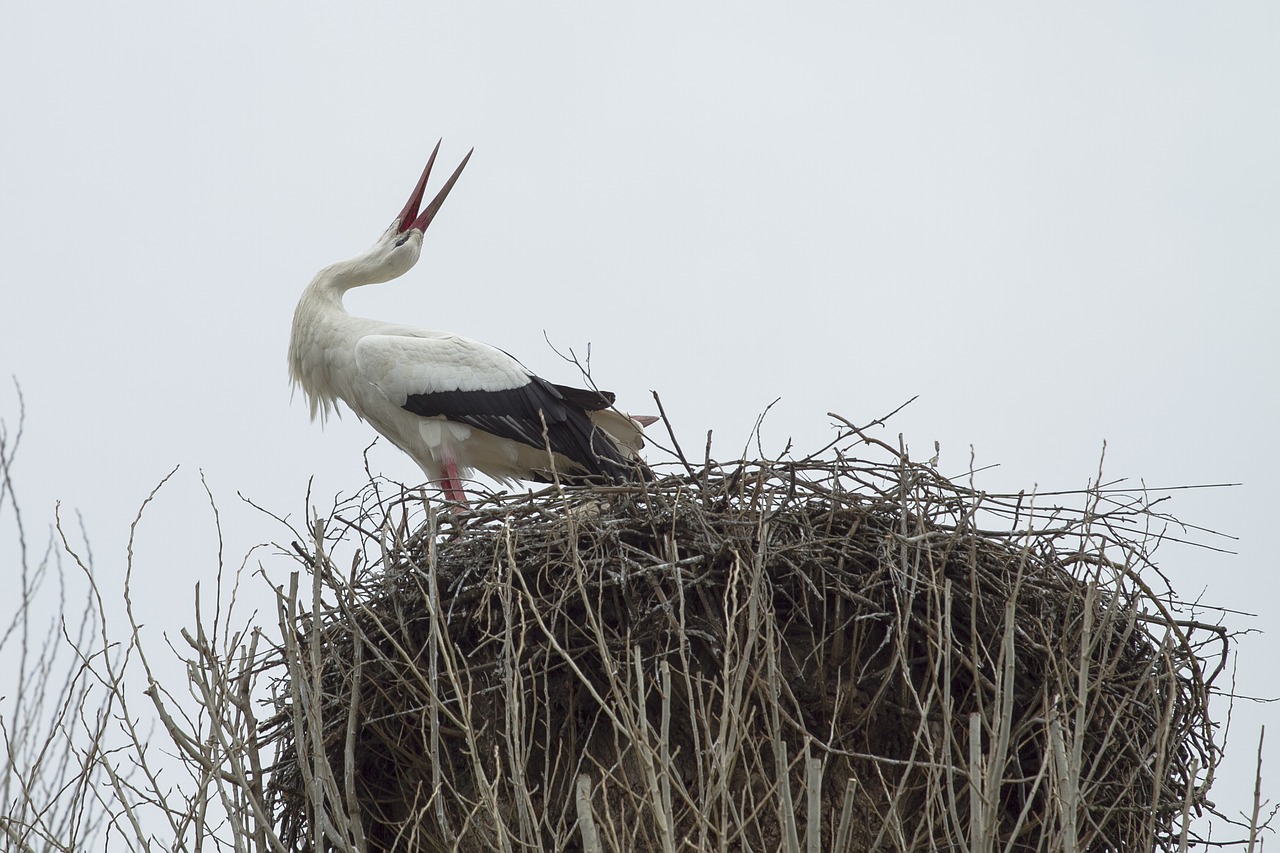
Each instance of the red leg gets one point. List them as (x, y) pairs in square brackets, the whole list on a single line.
[(451, 483)]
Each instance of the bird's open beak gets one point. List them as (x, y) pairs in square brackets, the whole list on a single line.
[(410, 219)]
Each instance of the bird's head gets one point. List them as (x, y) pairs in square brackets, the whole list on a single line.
[(398, 248)]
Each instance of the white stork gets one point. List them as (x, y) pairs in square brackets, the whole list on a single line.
[(452, 404)]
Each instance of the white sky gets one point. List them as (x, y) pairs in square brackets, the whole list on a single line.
[(1057, 227)]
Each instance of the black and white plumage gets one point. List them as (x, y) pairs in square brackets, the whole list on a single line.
[(452, 404)]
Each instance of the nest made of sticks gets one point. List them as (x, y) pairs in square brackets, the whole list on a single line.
[(821, 654)]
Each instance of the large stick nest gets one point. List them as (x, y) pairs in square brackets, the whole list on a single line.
[(747, 657)]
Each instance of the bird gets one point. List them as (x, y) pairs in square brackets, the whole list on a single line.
[(452, 404)]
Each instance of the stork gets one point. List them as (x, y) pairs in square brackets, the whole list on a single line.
[(452, 404)]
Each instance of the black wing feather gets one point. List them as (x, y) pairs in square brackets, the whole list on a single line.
[(517, 414), (592, 401)]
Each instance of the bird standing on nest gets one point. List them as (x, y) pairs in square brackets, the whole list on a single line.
[(452, 404)]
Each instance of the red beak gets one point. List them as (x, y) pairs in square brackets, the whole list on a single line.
[(409, 218)]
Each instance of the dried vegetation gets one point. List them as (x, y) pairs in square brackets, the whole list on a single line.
[(803, 655), (826, 654)]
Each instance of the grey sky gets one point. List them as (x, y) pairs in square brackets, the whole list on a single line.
[(1057, 227)]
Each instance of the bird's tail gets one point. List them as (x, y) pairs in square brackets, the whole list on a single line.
[(627, 432), (617, 440)]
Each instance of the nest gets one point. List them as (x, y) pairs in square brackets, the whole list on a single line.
[(816, 654)]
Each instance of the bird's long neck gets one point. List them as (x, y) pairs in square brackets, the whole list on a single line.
[(322, 345), (321, 331)]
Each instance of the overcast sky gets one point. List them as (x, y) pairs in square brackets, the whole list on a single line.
[(1057, 227)]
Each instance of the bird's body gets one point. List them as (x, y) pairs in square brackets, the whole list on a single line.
[(450, 403)]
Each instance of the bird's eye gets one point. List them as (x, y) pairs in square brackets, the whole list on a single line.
[(403, 240)]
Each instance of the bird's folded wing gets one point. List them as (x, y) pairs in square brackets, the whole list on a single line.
[(400, 366), (482, 387)]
